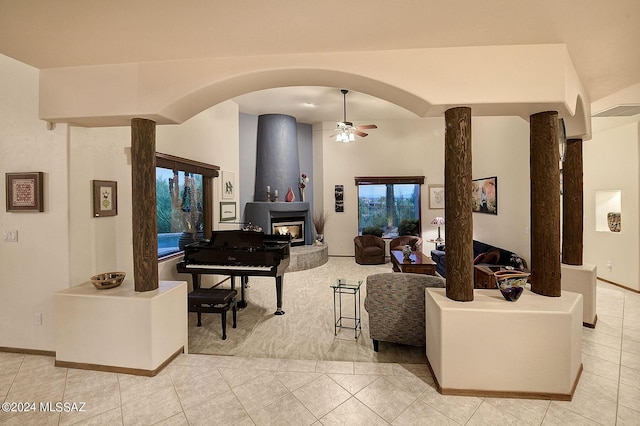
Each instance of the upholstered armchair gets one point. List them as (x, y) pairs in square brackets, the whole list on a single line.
[(395, 304), (400, 242), (370, 249)]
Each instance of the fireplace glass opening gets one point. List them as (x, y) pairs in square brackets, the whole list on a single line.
[(293, 227)]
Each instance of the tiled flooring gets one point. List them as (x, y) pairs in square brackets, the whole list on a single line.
[(227, 390)]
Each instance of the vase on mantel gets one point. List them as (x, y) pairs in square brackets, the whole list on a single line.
[(290, 197)]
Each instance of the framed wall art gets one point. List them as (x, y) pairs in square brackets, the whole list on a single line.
[(25, 192), (436, 196), (227, 211), (228, 189), (105, 198), (484, 195), (339, 195)]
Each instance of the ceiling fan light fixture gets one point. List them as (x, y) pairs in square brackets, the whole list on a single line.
[(345, 136), (346, 131)]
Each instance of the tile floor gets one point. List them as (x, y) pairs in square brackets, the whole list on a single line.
[(228, 390)]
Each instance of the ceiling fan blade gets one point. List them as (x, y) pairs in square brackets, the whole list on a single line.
[(367, 126), (359, 133)]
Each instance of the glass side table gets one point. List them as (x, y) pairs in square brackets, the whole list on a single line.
[(346, 286)]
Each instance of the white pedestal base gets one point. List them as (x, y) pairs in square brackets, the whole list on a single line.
[(531, 348), (582, 279), (119, 329)]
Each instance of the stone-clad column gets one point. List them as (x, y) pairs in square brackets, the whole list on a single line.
[(572, 204), (545, 204), (143, 203), (458, 212)]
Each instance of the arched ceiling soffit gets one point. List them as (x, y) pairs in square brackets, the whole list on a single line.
[(193, 103), (578, 125)]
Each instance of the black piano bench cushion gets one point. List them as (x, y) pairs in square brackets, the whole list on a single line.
[(214, 300)]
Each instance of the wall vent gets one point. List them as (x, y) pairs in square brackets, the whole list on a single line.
[(619, 111)]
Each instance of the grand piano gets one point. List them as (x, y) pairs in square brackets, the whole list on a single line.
[(239, 253)]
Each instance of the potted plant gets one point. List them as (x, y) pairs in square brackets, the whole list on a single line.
[(319, 220)]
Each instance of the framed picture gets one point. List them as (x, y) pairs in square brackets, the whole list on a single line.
[(24, 192), (228, 189), (484, 195), (436, 196), (105, 198), (227, 211), (339, 195)]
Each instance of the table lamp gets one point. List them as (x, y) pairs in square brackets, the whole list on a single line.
[(438, 221)]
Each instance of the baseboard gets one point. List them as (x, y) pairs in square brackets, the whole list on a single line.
[(121, 370), (506, 394), (619, 285), (586, 324), (27, 351)]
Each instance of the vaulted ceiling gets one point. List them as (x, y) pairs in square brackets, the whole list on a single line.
[(601, 37)]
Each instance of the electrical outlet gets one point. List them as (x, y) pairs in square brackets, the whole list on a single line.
[(10, 236), (38, 318)]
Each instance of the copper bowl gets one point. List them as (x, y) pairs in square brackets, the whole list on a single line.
[(108, 280)]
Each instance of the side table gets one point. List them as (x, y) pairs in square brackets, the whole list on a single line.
[(436, 242), (483, 275), (345, 286)]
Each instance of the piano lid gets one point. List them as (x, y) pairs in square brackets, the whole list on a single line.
[(236, 238)]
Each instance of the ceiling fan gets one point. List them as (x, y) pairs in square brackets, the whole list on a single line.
[(346, 132)]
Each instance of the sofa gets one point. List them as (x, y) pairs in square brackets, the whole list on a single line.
[(483, 253), (395, 304)]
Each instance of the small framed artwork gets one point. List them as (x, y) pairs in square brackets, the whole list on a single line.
[(436, 196), (339, 195), (227, 211), (105, 198), (484, 195), (228, 189), (24, 192)]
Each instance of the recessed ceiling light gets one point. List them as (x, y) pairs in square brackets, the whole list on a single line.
[(309, 105)]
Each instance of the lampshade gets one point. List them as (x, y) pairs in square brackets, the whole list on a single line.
[(438, 221)]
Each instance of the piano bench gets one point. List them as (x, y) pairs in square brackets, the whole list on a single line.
[(216, 301)]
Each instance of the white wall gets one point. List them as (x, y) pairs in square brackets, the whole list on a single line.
[(37, 266), (501, 148), (611, 162), (416, 147), (100, 244)]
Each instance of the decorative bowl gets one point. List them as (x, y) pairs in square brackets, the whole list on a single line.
[(107, 280), (511, 283)]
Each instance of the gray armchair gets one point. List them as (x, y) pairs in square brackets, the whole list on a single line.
[(395, 304)]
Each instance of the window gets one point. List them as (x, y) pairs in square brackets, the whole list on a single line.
[(389, 206), (184, 202)]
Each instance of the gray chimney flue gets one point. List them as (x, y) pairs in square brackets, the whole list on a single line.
[(277, 161)]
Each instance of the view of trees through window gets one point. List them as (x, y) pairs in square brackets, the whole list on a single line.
[(389, 210), (179, 209)]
